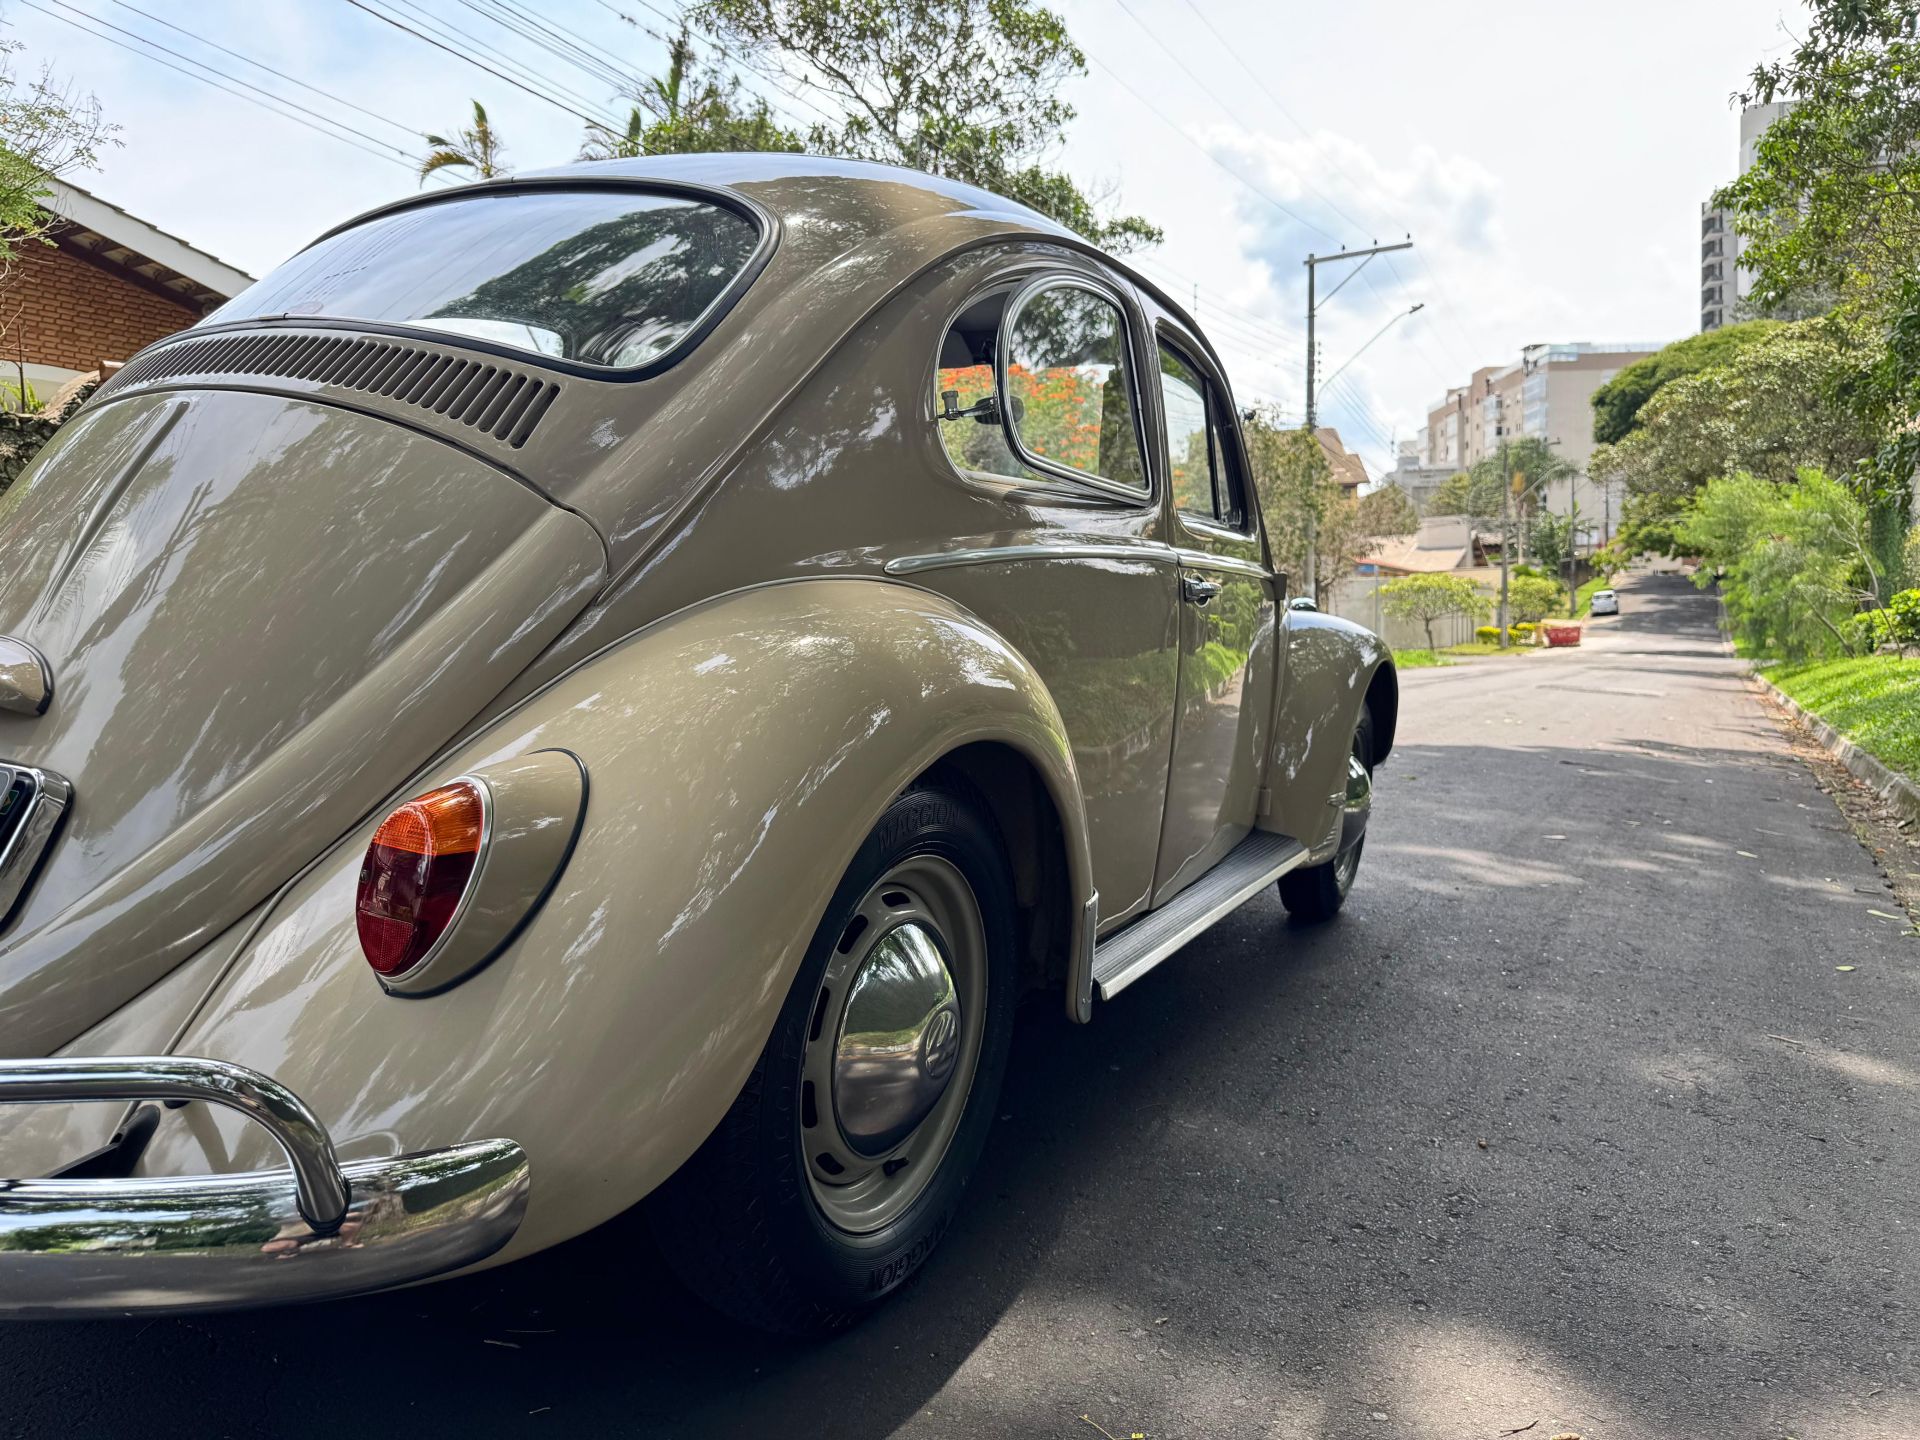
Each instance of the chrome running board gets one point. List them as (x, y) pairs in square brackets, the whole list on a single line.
[(1253, 864)]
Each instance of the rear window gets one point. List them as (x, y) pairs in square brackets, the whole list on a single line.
[(609, 278)]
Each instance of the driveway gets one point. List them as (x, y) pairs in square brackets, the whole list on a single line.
[(1571, 1123)]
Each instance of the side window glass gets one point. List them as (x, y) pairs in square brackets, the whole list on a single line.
[(1190, 458), (1206, 482), (964, 372), (1068, 385)]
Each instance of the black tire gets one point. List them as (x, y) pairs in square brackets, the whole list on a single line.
[(1314, 895), (740, 1222)]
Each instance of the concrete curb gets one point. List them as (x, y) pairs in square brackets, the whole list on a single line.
[(1889, 784)]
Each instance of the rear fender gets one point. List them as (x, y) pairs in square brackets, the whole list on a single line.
[(1333, 667), (737, 754)]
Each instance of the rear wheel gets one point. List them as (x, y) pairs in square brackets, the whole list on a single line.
[(842, 1162), (1317, 893)]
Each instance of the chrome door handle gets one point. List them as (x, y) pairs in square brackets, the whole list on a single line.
[(1197, 590)]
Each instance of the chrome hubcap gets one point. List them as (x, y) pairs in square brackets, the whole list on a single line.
[(894, 1043), (899, 1041)]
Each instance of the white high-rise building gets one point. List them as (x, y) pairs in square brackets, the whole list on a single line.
[(1723, 279)]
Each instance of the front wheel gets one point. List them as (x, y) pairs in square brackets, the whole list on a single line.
[(839, 1167), (1316, 894)]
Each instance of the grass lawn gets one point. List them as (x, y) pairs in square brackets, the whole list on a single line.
[(1487, 647), (1873, 700), (1416, 660)]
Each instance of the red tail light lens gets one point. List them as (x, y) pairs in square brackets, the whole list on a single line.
[(417, 869)]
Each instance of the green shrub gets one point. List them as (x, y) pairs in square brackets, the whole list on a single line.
[(1865, 632), (1488, 633), (1903, 618), (1523, 630)]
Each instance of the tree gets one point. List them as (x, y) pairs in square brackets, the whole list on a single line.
[(476, 147), (1550, 540), (1532, 598), (1779, 405), (1832, 200), (1306, 510), (1830, 209), (1616, 404), (692, 109), (46, 129), (1796, 558), (1387, 511), (1454, 497), (1427, 598), (967, 89)]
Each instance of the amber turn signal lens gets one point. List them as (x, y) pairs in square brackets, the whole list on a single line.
[(417, 869)]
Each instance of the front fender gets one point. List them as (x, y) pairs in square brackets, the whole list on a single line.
[(737, 754), (1333, 666)]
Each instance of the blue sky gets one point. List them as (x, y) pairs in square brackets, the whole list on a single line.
[(1549, 159)]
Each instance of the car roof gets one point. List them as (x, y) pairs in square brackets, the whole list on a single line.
[(898, 219)]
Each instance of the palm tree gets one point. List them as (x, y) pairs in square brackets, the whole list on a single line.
[(603, 142), (476, 147)]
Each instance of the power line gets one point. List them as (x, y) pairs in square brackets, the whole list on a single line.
[(439, 27), (532, 28), (1446, 300), (477, 64), (739, 60), (321, 129), (1161, 115), (410, 131), (1212, 92), (247, 84)]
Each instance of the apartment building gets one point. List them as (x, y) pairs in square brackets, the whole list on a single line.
[(1724, 281), (1548, 394)]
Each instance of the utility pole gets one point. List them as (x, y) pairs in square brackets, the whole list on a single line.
[(1506, 537), (1573, 546), (1313, 262)]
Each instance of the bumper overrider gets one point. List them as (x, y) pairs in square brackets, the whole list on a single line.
[(318, 1230)]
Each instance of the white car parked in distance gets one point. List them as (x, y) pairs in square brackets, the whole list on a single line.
[(1604, 602)]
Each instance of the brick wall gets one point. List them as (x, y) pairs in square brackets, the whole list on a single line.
[(56, 309)]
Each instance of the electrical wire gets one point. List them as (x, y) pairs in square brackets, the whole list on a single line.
[(383, 153), (246, 84), (476, 63), (410, 131)]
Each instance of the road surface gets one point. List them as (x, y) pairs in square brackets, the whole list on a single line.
[(1572, 1122)]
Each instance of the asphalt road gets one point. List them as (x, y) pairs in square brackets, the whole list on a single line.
[(1570, 1123)]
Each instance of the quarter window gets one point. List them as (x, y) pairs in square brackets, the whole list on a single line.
[(1205, 481), (962, 379)]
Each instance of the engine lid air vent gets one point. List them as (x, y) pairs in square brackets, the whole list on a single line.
[(497, 399)]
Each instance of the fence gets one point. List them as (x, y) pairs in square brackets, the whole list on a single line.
[(1357, 598)]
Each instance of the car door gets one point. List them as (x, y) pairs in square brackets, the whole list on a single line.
[(1227, 618), (1070, 560)]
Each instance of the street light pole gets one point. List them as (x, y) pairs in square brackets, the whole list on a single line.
[(1313, 262)]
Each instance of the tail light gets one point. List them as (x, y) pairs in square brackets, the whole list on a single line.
[(417, 873)]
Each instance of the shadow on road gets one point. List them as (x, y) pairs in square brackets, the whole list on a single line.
[(1570, 1120)]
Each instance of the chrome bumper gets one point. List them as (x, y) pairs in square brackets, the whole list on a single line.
[(212, 1242)]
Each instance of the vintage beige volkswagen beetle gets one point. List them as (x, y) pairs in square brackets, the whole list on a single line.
[(609, 687)]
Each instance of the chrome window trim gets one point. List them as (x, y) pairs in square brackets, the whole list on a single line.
[(1214, 530), (1144, 493), (1152, 550), (1232, 564)]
